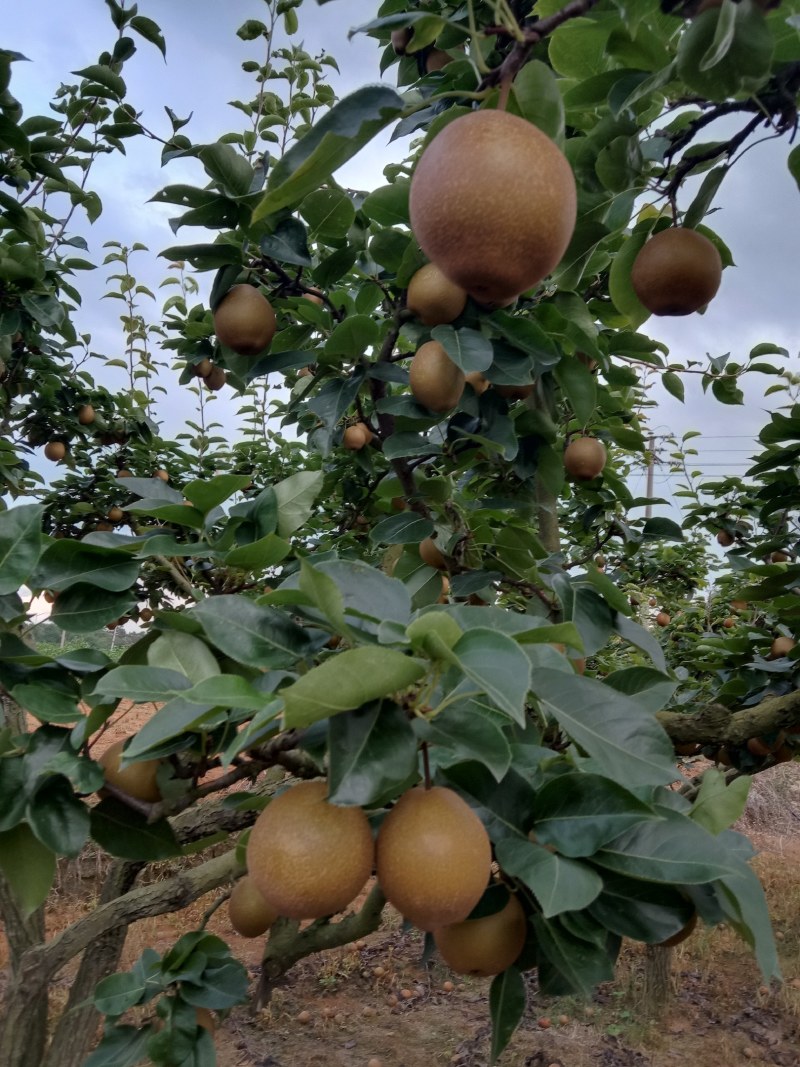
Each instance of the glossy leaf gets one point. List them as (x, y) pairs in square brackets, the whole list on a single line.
[(346, 681), (29, 867), (371, 753), (625, 743), (20, 545), (127, 834), (579, 813), (559, 884), (250, 634), (296, 495), (507, 1007)]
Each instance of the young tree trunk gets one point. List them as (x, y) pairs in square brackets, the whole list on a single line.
[(75, 1031), (657, 987), (24, 1013)]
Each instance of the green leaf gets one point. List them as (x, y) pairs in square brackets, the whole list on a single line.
[(607, 590), (121, 1046), (207, 494), (626, 743), (506, 808), (535, 96), (372, 752), (464, 732), (388, 205), (127, 834), (150, 31), (250, 634), (20, 545), (58, 818), (296, 495), (141, 684), (703, 199), (620, 288), (47, 703), (204, 256), (507, 1007), (184, 654), (661, 529), (324, 593), (745, 906), (336, 137), (120, 992), (227, 167), (346, 681), (407, 528), (558, 884), (741, 59), (104, 76), (260, 555), (498, 666), (467, 348), (84, 608), (28, 866), (580, 387), (717, 805), (579, 813), (674, 385), (569, 963), (288, 243), (329, 213), (353, 337), (66, 563), (672, 849), (643, 911)]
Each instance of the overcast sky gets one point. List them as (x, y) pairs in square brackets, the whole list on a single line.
[(757, 217)]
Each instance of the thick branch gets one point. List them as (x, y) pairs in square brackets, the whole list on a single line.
[(287, 944), (718, 725), (42, 962)]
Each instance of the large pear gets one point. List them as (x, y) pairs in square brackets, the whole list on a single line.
[(493, 204)]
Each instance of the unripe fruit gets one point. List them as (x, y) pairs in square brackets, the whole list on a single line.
[(663, 619), (309, 858), (244, 320), (433, 298), (479, 382), (216, 378), (137, 780), (356, 437), (584, 458), (677, 272), (486, 946), (55, 451), (86, 415), (431, 554), (493, 204), (436, 382), (781, 646), (433, 857), (249, 913), (725, 539)]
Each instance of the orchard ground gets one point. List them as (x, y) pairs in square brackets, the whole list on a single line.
[(376, 998)]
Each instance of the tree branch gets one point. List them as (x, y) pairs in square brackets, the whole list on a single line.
[(287, 943), (717, 725)]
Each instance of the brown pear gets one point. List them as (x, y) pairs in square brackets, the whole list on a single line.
[(433, 298), (677, 272), (137, 780), (493, 204), (486, 946), (244, 320), (436, 382), (249, 913), (584, 458)]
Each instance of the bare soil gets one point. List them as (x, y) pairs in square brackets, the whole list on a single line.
[(375, 1004)]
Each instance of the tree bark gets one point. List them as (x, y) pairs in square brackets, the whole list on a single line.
[(75, 1031), (715, 724), (288, 944), (657, 986)]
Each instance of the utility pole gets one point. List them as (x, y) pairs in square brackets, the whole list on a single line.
[(651, 466)]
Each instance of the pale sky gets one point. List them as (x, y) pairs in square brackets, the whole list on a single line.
[(759, 204)]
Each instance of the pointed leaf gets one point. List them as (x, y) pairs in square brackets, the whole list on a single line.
[(558, 884)]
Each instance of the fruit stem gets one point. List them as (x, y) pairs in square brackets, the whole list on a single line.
[(426, 766)]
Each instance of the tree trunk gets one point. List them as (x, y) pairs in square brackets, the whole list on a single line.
[(657, 987), (23, 1030), (75, 1031)]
